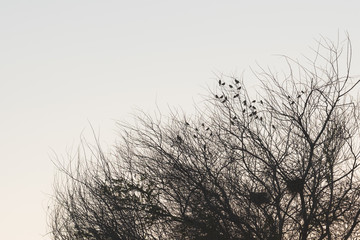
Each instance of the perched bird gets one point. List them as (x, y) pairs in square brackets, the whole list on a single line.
[(216, 96), (230, 86), (236, 95), (236, 81), (261, 102), (244, 102), (219, 82), (253, 101), (239, 88)]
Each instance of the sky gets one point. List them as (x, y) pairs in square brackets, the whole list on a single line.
[(68, 65)]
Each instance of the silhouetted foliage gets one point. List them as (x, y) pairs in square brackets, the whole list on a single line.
[(281, 165)]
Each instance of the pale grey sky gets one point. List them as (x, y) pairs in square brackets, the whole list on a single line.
[(65, 63)]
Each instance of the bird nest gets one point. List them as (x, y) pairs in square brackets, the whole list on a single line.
[(295, 185), (259, 198)]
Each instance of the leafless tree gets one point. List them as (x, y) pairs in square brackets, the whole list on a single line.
[(280, 164)]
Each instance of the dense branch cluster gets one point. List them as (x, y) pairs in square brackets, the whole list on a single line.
[(281, 165)]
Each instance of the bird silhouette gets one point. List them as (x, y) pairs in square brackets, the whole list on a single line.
[(236, 95), (236, 81), (231, 86)]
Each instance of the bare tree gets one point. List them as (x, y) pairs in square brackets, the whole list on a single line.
[(280, 165)]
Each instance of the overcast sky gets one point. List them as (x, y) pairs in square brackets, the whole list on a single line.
[(66, 64)]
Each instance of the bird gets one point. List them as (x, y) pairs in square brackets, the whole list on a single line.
[(216, 96), (244, 102), (219, 82), (230, 86), (253, 101), (261, 102), (236, 95), (237, 81), (239, 88)]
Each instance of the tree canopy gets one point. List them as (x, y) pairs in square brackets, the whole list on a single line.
[(280, 164)]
